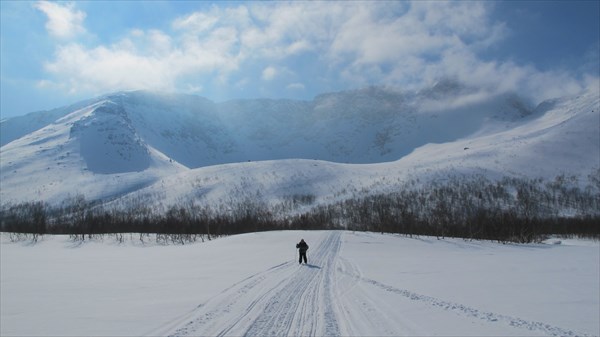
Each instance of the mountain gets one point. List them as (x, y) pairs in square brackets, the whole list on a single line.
[(362, 126), (16, 127), (94, 148), (171, 146)]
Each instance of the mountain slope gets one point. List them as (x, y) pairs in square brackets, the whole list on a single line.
[(91, 151), (108, 143), (17, 127), (146, 142), (558, 138)]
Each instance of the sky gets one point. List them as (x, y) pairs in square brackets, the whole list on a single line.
[(58, 53)]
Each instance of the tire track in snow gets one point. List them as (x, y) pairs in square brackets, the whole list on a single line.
[(297, 300)]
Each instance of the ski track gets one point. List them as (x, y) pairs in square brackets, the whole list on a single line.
[(322, 298), (299, 302), (461, 309), (292, 310)]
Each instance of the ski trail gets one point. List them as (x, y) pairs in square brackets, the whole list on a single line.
[(285, 300), (296, 308), (221, 314), (457, 308), (359, 314), (546, 329), (331, 297)]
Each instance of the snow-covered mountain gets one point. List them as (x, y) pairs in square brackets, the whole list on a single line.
[(176, 146), (363, 126)]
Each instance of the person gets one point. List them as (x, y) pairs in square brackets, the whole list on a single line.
[(302, 248)]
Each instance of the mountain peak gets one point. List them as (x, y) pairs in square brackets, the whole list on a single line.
[(108, 141)]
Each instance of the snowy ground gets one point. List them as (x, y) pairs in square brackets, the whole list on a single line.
[(355, 284)]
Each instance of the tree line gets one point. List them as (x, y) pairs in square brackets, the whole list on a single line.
[(506, 210), (509, 210)]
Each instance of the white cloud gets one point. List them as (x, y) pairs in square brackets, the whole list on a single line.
[(269, 73), (295, 86), (197, 22), (357, 43), (107, 69), (194, 89), (298, 47), (145, 60), (63, 21), (499, 77), (407, 43)]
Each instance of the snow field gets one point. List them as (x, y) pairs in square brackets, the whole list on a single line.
[(355, 284), (458, 287)]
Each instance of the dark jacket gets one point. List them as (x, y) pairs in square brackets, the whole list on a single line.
[(302, 246)]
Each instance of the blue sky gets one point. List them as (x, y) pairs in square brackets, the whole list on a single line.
[(56, 53)]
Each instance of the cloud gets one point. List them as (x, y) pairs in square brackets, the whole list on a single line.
[(496, 77), (63, 21), (144, 60), (351, 44), (269, 73), (406, 44), (295, 86), (198, 22)]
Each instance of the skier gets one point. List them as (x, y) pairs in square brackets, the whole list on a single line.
[(302, 248)]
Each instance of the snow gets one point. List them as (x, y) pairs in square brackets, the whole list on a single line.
[(559, 138), (68, 157), (251, 284), (355, 284), (108, 143), (133, 144)]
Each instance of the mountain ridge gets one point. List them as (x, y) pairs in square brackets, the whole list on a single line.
[(126, 142), (371, 105)]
